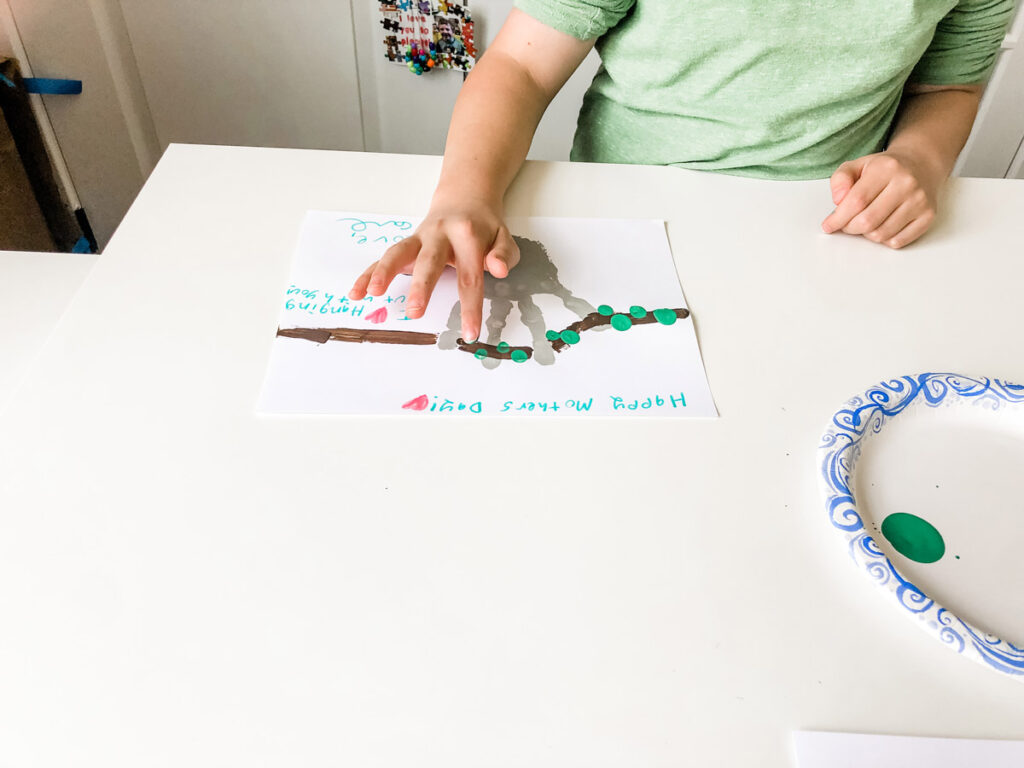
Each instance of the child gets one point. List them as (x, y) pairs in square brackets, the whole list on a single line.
[(880, 95)]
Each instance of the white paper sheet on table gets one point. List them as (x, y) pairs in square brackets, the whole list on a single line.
[(571, 268), (819, 749)]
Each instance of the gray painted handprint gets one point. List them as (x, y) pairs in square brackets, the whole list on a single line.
[(535, 274)]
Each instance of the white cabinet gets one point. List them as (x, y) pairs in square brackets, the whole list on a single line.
[(104, 136)]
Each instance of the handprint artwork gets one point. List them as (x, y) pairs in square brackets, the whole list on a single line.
[(335, 355)]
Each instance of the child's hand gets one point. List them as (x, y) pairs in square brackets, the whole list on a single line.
[(470, 237), (888, 198)]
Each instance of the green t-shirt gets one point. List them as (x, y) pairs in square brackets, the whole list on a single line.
[(783, 89)]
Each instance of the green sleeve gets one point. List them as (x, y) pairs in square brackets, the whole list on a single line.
[(966, 44), (584, 19)]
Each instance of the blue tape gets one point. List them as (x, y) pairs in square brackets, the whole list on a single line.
[(82, 246), (7, 81), (52, 86)]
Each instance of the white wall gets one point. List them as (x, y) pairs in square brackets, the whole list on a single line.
[(255, 72)]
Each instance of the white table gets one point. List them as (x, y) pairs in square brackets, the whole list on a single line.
[(35, 289), (183, 583)]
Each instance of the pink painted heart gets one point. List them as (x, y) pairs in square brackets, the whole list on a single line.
[(379, 316), (417, 403)]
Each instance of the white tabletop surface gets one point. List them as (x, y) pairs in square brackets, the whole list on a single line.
[(35, 289), (184, 583)]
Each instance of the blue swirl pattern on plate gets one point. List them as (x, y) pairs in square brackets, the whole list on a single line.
[(841, 445)]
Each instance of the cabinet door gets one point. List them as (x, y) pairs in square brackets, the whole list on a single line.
[(251, 72), (105, 143)]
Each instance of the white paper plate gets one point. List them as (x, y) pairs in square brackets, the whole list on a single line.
[(923, 476)]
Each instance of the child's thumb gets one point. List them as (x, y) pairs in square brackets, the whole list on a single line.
[(844, 178)]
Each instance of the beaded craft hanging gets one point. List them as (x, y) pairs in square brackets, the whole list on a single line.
[(426, 35)]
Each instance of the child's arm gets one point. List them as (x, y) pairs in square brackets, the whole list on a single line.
[(492, 126), (890, 197)]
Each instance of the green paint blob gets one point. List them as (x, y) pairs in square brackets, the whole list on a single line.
[(480, 354), (551, 335), (913, 537), (519, 356), (570, 337), (605, 310), (665, 316), (502, 347), (637, 311), (621, 322)]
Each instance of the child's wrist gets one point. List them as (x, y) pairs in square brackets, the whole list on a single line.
[(931, 167), (449, 195)]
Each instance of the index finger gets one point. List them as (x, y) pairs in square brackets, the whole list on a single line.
[(469, 268)]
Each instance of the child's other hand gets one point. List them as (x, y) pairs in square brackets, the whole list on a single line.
[(887, 197), (470, 237)]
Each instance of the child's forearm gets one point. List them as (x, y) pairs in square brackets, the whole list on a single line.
[(500, 105), (933, 125), (492, 126)]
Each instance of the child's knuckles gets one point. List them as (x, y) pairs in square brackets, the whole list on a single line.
[(865, 222), (462, 228), (855, 201), (888, 164), (903, 183), (919, 199)]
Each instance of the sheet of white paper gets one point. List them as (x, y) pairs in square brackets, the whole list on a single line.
[(570, 269), (818, 749)]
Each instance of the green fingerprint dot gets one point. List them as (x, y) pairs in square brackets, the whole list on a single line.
[(519, 356), (637, 311), (913, 537), (570, 337), (621, 322), (480, 354), (551, 335), (665, 316), (502, 347), (605, 310)]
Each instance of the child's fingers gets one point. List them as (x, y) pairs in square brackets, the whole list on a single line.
[(912, 231), (471, 296), (395, 258), (470, 272), (860, 196), (429, 265), (844, 178), (898, 219), (880, 209), (503, 256), (358, 291), (469, 248)]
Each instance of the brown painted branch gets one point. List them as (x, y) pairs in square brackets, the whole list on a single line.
[(596, 319), (359, 335), (492, 350)]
